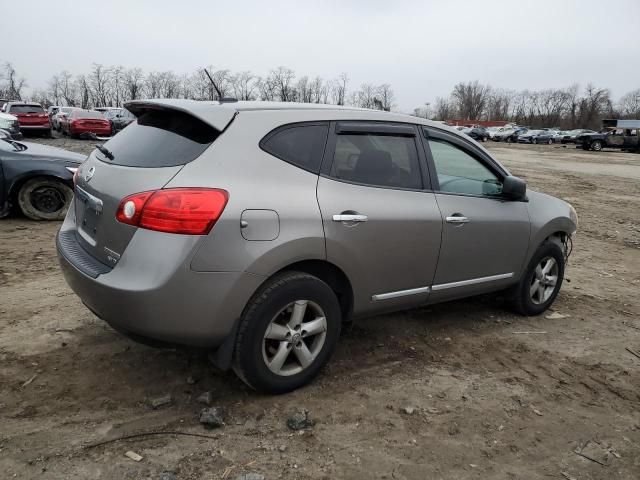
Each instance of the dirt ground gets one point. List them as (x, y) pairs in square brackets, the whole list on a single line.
[(463, 390)]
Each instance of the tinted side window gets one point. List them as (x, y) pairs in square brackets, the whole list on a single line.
[(301, 145), (459, 172), (379, 160)]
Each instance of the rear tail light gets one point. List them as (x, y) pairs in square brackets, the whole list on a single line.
[(189, 211)]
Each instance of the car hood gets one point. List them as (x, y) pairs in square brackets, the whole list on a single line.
[(45, 152)]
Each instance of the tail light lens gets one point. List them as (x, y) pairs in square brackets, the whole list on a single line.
[(189, 211)]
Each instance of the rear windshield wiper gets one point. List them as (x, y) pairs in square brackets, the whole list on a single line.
[(105, 151)]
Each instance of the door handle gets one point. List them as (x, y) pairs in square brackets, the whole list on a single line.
[(457, 218), (351, 218)]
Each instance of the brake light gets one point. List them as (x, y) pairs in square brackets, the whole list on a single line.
[(189, 211)]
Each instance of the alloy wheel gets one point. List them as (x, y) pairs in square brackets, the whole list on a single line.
[(294, 338), (544, 281)]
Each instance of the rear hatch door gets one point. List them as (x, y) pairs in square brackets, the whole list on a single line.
[(146, 155)]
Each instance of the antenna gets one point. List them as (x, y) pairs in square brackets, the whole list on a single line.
[(214, 84)]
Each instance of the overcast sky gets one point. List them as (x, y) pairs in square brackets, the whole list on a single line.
[(422, 48)]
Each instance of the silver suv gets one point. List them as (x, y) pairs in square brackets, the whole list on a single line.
[(259, 228)]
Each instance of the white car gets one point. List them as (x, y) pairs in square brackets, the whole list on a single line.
[(10, 125)]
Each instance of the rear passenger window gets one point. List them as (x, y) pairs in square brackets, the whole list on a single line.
[(301, 145), (378, 160)]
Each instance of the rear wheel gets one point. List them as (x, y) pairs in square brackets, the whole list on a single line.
[(287, 333), (44, 199), (550, 141), (535, 140), (541, 282)]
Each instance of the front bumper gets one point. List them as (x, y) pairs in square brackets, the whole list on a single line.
[(155, 295)]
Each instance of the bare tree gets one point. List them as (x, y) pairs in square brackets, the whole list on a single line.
[(133, 79), (244, 85), (444, 109), (339, 89), (471, 99), (386, 97), (282, 79), (11, 86), (629, 104), (100, 85)]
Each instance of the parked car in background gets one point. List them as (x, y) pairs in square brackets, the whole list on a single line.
[(570, 136), (36, 178), (391, 212), (10, 125), (619, 138), (31, 116), (106, 109), (510, 135), (59, 117), (119, 118), (78, 122), (528, 136), (479, 134), (545, 136)]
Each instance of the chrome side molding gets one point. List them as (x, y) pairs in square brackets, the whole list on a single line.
[(471, 281), (400, 293), (442, 286)]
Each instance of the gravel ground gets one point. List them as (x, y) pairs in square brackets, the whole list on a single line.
[(463, 390)]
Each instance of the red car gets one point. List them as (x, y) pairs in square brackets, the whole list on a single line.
[(31, 117), (78, 122)]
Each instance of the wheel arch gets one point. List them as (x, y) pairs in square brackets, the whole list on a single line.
[(18, 182)]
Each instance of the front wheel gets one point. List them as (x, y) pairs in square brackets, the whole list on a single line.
[(596, 146), (550, 141), (44, 199), (287, 333), (541, 282)]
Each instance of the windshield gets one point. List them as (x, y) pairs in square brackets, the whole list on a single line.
[(26, 109)]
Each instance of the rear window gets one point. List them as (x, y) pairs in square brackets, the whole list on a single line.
[(301, 145), (87, 114), (26, 109), (160, 138)]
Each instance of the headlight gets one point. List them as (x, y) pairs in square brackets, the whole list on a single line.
[(6, 123), (573, 215)]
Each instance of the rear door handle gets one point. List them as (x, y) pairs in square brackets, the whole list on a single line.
[(352, 218), (456, 218)]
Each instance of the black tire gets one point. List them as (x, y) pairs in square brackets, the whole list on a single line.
[(521, 293), (509, 140), (596, 145), (550, 141), (282, 290), (44, 198)]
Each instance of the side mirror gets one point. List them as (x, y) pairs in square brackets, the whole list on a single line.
[(514, 188)]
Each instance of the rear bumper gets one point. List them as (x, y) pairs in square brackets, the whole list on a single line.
[(106, 130), (157, 296), (33, 128)]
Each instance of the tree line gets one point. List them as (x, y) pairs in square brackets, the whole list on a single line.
[(570, 107), (105, 86), (108, 86)]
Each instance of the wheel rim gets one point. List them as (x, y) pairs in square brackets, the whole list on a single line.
[(550, 141), (294, 338), (47, 199), (597, 146), (544, 281)]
